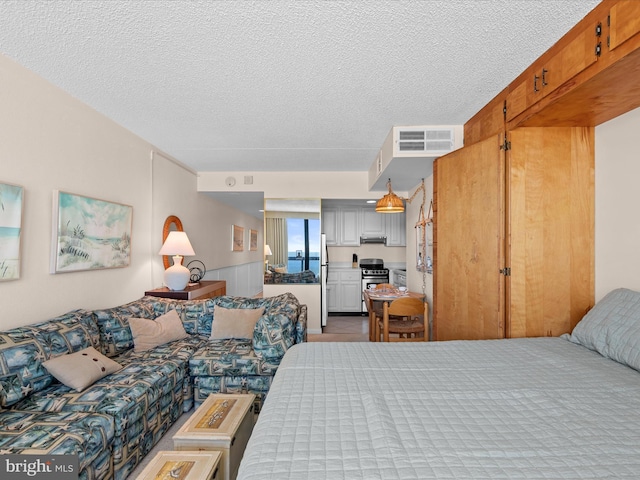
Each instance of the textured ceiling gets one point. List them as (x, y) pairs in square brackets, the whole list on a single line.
[(281, 85)]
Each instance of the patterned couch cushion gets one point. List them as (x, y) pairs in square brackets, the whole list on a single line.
[(229, 357), (125, 395), (196, 315), (22, 351), (113, 323), (178, 350), (88, 435), (70, 332)]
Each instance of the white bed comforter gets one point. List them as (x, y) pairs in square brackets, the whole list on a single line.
[(525, 408)]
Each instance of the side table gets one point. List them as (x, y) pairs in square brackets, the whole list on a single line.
[(204, 289), (223, 422), (171, 465)]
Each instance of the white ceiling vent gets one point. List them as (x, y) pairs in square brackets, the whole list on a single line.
[(407, 154), (423, 140)]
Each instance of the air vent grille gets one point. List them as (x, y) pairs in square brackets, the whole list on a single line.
[(425, 140)]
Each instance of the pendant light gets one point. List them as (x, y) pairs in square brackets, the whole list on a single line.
[(390, 203)]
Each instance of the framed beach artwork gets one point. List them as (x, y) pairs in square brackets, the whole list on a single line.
[(89, 234), (253, 240), (11, 202), (237, 238)]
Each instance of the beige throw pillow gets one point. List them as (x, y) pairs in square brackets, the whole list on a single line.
[(148, 334), (234, 322), (81, 369)]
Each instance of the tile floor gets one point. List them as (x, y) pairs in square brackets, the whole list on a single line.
[(343, 329)]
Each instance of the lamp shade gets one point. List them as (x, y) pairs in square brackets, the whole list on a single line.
[(267, 250), (390, 203), (177, 244)]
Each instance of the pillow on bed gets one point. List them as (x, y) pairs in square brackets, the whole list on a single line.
[(81, 369), (148, 334), (234, 322), (612, 327)]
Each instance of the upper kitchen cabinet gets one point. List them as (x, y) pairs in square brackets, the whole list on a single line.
[(347, 224), (396, 229), (341, 225), (373, 223), (330, 225)]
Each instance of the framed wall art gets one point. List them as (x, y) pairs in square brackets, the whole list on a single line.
[(11, 204), (253, 240), (237, 238), (89, 234)]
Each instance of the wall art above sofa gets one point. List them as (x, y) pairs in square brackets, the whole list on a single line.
[(89, 234)]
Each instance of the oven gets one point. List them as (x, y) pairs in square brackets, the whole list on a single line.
[(372, 273)]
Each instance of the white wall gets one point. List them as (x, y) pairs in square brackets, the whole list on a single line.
[(51, 141), (617, 238)]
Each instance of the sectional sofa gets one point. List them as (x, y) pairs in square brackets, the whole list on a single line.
[(87, 383)]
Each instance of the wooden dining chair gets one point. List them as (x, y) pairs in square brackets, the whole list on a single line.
[(375, 312), (408, 318)]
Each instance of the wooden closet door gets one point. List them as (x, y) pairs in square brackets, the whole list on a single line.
[(550, 229), (469, 186)]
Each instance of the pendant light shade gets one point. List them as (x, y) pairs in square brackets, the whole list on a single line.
[(390, 203)]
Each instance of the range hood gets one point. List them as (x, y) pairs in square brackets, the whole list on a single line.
[(407, 154), (373, 239)]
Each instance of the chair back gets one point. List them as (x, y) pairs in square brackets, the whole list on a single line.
[(407, 307), (411, 317)]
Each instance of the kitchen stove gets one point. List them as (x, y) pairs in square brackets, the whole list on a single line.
[(373, 273)]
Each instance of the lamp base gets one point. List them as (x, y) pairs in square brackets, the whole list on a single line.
[(177, 276)]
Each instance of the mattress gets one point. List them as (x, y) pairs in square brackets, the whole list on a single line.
[(535, 408)]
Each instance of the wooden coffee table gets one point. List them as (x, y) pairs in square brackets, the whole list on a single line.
[(183, 465), (224, 423)]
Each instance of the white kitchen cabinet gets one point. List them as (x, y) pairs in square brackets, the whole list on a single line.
[(330, 225), (344, 226), (349, 221), (333, 304), (344, 290), (396, 228), (373, 223)]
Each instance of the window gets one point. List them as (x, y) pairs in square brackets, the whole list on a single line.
[(303, 245)]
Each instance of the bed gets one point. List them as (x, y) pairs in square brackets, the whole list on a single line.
[(533, 408)]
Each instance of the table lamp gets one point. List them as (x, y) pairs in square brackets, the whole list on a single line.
[(177, 244), (267, 252)]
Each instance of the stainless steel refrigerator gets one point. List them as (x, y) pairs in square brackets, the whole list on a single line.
[(324, 271)]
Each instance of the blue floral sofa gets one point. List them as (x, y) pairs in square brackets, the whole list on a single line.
[(115, 421)]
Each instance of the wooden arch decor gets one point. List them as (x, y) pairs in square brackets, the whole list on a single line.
[(174, 221)]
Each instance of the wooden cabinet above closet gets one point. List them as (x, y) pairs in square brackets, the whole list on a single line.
[(588, 77)]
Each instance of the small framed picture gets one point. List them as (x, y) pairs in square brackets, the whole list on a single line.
[(237, 238), (253, 240), (11, 202)]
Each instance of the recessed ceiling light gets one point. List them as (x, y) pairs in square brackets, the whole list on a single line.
[(371, 201)]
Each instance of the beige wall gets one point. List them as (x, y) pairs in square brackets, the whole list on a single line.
[(51, 141), (617, 204)]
